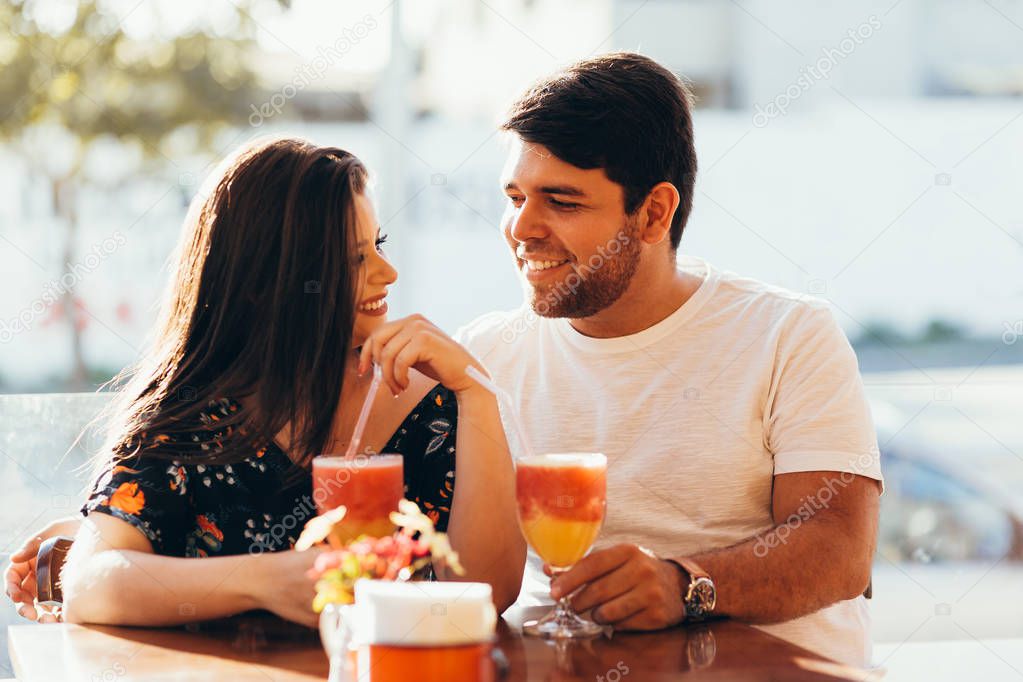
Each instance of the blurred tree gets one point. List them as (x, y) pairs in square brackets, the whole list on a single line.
[(71, 76), (938, 330), (879, 332)]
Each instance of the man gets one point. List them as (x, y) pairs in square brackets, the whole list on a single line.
[(743, 471)]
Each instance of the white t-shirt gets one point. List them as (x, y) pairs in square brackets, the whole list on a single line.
[(696, 414)]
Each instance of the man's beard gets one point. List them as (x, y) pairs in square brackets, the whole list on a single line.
[(593, 285)]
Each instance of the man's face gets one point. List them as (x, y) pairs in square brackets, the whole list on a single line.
[(574, 244)]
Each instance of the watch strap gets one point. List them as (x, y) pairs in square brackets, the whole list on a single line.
[(692, 568)]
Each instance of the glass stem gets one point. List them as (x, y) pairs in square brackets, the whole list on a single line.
[(563, 609)]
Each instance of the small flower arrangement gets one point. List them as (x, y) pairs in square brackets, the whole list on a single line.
[(401, 556)]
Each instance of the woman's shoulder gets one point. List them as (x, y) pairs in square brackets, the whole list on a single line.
[(180, 482), (197, 445), (201, 429)]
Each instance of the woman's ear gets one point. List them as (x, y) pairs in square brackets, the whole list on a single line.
[(659, 210)]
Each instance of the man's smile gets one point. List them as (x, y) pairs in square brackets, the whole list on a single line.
[(542, 270)]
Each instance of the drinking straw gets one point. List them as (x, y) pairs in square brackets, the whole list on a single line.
[(367, 405), (502, 395)]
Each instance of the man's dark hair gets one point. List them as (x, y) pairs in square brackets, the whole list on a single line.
[(622, 112)]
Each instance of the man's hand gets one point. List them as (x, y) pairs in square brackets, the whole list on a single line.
[(626, 586)]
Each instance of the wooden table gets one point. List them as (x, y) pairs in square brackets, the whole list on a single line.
[(267, 649)]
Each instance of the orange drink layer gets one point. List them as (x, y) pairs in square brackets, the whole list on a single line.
[(369, 487), (561, 502), (387, 663)]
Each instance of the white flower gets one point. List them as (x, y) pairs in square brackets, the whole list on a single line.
[(411, 518), (318, 528)]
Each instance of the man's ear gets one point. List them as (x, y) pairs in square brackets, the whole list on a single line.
[(658, 210)]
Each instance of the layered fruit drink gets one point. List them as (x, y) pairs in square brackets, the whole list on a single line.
[(369, 487), (561, 499)]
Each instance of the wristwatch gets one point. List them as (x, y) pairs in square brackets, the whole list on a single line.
[(700, 595)]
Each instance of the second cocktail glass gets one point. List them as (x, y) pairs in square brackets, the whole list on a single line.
[(369, 487), (561, 501)]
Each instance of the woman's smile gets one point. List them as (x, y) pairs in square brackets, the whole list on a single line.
[(376, 306)]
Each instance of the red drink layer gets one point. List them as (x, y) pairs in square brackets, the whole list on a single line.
[(566, 491), (561, 502), (370, 488)]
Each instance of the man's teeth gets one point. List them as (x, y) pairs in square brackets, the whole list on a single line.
[(371, 306), (544, 264)]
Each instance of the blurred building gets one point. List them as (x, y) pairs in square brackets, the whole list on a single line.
[(886, 162), (735, 54)]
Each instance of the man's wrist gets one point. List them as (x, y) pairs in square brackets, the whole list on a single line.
[(683, 578), (697, 590)]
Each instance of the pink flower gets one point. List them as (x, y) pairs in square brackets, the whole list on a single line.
[(327, 561), (400, 556), (385, 546)]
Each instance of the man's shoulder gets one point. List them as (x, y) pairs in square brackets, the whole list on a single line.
[(752, 298), (486, 332)]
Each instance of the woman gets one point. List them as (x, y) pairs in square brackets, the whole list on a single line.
[(253, 372)]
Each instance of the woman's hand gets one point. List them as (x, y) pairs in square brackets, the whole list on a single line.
[(415, 342), (20, 572), (284, 586)]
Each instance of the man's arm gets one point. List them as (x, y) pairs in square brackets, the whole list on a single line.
[(819, 552)]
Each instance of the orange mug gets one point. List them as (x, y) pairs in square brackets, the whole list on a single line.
[(397, 663), (427, 631)]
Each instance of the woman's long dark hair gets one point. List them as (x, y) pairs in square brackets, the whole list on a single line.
[(261, 306)]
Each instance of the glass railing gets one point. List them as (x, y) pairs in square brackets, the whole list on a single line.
[(42, 477)]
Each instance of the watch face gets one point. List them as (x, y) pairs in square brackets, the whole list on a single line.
[(702, 597)]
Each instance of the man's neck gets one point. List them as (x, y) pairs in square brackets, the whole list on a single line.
[(653, 294)]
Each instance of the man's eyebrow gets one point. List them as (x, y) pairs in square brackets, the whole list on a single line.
[(563, 190), (566, 190)]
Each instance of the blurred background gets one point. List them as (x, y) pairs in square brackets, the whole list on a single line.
[(867, 153)]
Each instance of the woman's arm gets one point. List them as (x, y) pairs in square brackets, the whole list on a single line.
[(113, 577), (483, 526)]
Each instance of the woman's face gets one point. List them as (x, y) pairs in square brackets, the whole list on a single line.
[(376, 272)]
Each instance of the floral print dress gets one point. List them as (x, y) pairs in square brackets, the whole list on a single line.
[(201, 510)]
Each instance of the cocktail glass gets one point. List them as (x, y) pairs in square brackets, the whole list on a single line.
[(561, 500)]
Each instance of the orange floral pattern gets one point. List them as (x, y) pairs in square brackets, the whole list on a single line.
[(198, 510), (128, 498)]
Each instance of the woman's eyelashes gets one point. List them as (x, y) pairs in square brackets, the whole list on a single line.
[(378, 244)]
